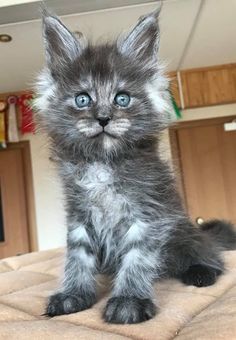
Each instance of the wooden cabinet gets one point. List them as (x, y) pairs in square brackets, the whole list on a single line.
[(207, 86)]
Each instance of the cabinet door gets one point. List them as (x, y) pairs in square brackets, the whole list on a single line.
[(14, 238), (208, 161)]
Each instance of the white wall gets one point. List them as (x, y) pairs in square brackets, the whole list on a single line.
[(50, 217)]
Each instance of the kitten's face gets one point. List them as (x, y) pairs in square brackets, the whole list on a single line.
[(102, 99)]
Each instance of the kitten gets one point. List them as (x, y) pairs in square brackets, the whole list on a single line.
[(104, 108)]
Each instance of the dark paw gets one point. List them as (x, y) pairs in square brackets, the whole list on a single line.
[(128, 310), (200, 276), (62, 303)]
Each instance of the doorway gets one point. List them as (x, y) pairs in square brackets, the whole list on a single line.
[(204, 155), (17, 214)]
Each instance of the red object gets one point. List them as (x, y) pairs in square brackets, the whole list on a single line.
[(25, 103)]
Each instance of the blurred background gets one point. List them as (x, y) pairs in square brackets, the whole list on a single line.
[(198, 46)]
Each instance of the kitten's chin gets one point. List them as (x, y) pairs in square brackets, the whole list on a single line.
[(109, 142)]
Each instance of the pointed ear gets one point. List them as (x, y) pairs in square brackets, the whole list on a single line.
[(142, 42), (61, 46)]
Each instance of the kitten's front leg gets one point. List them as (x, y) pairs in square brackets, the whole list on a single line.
[(79, 287), (131, 300)]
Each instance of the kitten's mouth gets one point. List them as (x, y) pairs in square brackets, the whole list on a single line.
[(101, 133)]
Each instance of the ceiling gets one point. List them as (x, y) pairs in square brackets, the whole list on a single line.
[(29, 9), (210, 42)]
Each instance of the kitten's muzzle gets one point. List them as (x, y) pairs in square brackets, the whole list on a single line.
[(103, 121)]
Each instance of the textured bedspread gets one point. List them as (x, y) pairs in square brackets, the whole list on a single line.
[(185, 312)]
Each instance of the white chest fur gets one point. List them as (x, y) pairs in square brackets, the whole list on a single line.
[(102, 200)]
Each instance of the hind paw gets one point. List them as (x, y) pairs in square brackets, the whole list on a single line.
[(200, 276)]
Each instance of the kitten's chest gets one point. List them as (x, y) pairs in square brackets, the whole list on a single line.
[(101, 199)]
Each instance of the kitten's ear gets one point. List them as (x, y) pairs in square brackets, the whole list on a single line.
[(61, 46), (142, 42)]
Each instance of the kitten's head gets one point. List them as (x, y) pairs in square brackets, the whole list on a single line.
[(101, 100)]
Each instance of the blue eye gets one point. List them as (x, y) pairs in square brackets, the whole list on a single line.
[(122, 99), (83, 100)]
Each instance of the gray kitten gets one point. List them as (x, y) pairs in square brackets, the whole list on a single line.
[(104, 108)]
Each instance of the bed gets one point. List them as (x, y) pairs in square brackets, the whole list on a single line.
[(186, 312)]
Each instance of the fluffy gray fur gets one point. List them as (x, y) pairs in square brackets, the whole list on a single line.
[(124, 215)]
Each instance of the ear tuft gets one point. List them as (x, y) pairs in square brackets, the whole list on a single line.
[(45, 11)]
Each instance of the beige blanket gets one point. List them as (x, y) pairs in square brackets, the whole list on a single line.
[(185, 312)]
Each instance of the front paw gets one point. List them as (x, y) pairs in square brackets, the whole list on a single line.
[(65, 303), (128, 310), (200, 276)]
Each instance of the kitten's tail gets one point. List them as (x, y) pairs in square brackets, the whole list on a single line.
[(223, 233)]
